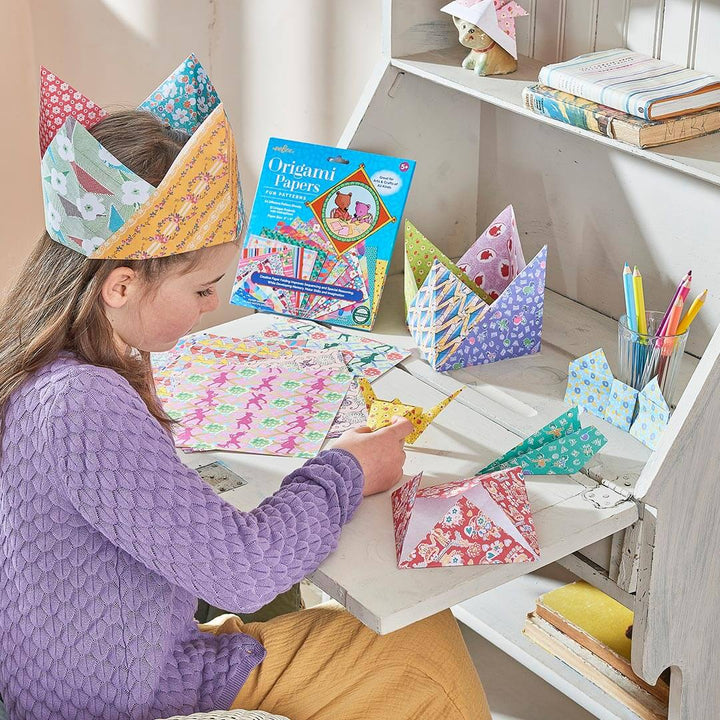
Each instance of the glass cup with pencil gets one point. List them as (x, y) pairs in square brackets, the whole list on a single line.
[(651, 343)]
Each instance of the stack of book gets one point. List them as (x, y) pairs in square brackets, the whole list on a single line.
[(629, 97), (590, 632)]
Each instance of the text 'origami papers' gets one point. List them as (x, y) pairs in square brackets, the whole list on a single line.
[(477, 521), (485, 308)]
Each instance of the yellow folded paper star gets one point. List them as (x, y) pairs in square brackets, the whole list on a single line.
[(381, 412)]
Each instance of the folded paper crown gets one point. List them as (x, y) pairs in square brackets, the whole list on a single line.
[(97, 206), (381, 412), (487, 307), (496, 18), (477, 521)]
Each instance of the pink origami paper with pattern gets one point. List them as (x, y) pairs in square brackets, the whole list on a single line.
[(480, 520), (496, 258), (257, 407)]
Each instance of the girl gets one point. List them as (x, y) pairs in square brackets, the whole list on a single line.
[(107, 539)]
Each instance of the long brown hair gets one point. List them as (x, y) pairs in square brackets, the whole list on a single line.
[(56, 302)]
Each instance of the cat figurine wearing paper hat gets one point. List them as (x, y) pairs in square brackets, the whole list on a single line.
[(487, 27)]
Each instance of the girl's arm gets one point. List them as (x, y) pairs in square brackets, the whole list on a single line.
[(121, 472)]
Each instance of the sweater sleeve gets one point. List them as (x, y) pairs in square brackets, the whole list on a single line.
[(121, 472)]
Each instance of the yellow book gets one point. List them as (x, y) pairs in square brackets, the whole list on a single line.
[(597, 622)]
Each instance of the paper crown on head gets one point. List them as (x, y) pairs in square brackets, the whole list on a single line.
[(97, 206), (496, 18)]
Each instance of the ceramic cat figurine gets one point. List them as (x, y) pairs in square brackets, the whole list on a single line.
[(486, 57), (342, 203), (362, 213)]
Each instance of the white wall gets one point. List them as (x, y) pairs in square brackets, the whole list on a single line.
[(291, 68)]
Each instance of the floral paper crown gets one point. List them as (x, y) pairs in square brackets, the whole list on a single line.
[(97, 206)]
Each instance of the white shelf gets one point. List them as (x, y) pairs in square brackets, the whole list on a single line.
[(499, 616), (699, 158)]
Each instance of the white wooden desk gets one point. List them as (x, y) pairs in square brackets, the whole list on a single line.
[(570, 512)]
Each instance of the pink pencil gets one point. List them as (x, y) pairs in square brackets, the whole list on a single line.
[(682, 290)]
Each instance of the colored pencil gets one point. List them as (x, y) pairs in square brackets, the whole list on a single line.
[(682, 290), (639, 302), (629, 298), (693, 310)]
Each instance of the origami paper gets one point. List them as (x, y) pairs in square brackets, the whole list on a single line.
[(561, 447), (480, 520), (381, 412), (652, 416), (368, 357), (272, 409), (592, 387), (59, 101), (453, 325), (496, 257), (352, 412), (496, 18), (97, 206)]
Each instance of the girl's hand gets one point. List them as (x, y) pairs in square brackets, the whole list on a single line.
[(379, 452)]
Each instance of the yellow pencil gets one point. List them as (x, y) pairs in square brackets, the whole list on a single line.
[(693, 310), (639, 301)]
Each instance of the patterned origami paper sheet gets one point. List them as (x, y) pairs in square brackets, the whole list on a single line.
[(561, 447), (479, 520), (652, 416), (496, 257), (257, 407), (352, 412), (364, 356), (453, 325), (592, 387), (381, 412)]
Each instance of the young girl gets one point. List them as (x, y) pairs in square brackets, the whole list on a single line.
[(107, 539)]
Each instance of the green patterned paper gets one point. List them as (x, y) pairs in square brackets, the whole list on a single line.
[(560, 448)]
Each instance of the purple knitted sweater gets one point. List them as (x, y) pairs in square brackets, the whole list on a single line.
[(107, 540)]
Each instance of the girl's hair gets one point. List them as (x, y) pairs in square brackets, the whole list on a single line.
[(55, 304)]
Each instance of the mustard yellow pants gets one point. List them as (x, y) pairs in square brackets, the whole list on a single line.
[(323, 664)]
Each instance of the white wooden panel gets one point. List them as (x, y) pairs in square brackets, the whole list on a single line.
[(707, 47), (679, 27), (525, 29), (643, 25), (443, 198), (611, 24), (580, 27), (598, 208), (548, 33), (418, 26)]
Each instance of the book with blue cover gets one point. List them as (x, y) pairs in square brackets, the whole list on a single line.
[(321, 232)]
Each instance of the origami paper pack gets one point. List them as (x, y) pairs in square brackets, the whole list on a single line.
[(653, 415), (369, 357), (257, 407), (480, 520), (561, 447), (592, 387), (381, 412), (494, 17), (96, 206), (454, 327), (496, 257)]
